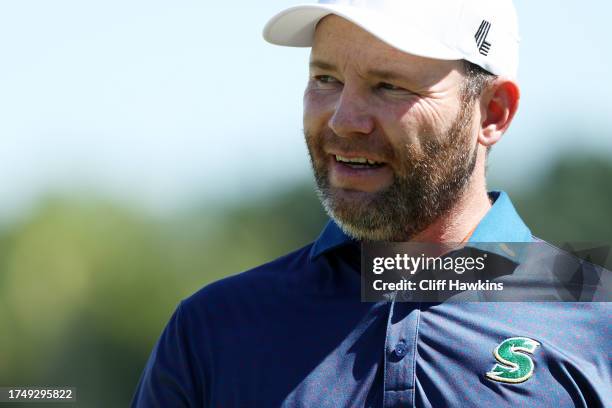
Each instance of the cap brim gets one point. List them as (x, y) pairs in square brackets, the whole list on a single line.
[(295, 27)]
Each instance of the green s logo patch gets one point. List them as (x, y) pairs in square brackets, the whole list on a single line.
[(514, 362)]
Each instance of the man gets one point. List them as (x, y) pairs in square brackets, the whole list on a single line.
[(403, 102)]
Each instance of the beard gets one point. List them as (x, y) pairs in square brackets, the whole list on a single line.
[(429, 181)]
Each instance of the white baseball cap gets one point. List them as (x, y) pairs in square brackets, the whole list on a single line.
[(484, 32)]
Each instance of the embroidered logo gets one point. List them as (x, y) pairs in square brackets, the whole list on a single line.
[(514, 362), (481, 38)]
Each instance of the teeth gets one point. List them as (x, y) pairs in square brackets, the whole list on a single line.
[(356, 160)]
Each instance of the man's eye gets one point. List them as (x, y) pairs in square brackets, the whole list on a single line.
[(326, 79), (390, 87)]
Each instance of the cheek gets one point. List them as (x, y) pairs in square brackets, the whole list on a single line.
[(318, 109), (315, 119), (409, 132), (402, 128), (422, 124)]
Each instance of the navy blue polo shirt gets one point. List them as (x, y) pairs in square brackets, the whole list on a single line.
[(294, 333)]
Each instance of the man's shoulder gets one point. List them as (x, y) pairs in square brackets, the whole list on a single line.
[(573, 271), (586, 255), (257, 281)]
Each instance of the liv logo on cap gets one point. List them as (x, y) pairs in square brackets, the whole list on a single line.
[(481, 38), (439, 29)]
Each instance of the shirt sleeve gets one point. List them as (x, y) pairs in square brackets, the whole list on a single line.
[(169, 377)]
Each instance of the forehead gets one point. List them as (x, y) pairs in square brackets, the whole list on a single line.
[(334, 33), (343, 43)]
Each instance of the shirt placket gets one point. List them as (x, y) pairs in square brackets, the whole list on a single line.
[(400, 355)]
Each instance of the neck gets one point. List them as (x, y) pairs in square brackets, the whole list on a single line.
[(460, 221)]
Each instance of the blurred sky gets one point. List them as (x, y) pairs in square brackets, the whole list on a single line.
[(165, 102)]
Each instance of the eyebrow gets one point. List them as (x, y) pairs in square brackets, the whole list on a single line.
[(381, 74), (387, 75), (322, 65)]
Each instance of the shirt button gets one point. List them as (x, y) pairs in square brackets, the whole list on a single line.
[(401, 349)]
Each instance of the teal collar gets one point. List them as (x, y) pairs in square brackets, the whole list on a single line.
[(499, 225)]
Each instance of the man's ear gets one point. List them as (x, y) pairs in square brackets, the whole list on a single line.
[(499, 103)]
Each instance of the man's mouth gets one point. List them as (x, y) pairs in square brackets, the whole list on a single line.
[(359, 172), (358, 162)]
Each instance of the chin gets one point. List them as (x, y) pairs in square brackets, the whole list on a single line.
[(362, 233), (356, 215), (347, 196)]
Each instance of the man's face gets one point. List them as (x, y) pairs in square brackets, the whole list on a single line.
[(402, 113)]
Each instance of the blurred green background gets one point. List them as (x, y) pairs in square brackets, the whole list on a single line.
[(147, 149), (87, 285)]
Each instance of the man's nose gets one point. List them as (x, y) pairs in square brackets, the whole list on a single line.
[(352, 115)]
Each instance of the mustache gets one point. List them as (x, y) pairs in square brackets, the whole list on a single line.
[(329, 140)]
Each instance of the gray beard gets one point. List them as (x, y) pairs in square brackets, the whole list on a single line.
[(410, 204)]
